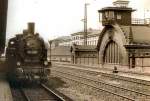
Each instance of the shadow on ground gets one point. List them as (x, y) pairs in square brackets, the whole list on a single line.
[(56, 82)]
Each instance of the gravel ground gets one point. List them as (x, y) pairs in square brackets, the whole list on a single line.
[(117, 82), (79, 92), (75, 91)]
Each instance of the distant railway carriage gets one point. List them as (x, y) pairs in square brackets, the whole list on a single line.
[(26, 57)]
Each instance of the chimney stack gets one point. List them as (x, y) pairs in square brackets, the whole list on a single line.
[(31, 27), (25, 31)]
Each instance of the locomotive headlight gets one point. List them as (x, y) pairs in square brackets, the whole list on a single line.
[(18, 63), (29, 52), (45, 63), (28, 44), (11, 42)]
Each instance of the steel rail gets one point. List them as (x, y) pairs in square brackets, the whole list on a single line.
[(51, 91), (134, 80), (24, 94), (61, 97), (95, 87), (96, 67), (91, 79)]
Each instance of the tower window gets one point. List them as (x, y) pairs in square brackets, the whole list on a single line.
[(109, 15), (106, 14)]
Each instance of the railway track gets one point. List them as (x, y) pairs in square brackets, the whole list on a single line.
[(18, 95), (121, 92), (37, 93), (96, 67), (105, 74)]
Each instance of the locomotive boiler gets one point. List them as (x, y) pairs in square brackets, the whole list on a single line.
[(26, 57)]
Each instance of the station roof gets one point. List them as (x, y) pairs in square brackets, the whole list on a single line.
[(140, 34), (90, 32), (116, 9), (63, 39)]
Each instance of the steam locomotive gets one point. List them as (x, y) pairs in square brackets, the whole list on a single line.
[(26, 57)]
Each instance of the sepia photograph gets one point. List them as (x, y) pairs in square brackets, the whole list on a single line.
[(74, 50)]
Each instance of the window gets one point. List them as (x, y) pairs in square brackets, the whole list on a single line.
[(119, 16), (106, 14), (109, 14)]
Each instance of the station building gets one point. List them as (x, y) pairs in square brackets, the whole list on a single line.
[(60, 41), (123, 41), (77, 38), (92, 37), (71, 48), (86, 55), (60, 54)]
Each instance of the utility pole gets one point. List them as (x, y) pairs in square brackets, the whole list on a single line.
[(85, 23), (145, 17), (50, 43)]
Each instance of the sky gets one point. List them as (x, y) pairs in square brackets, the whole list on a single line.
[(54, 18)]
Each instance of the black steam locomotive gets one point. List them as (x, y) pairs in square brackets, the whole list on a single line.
[(26, 57)]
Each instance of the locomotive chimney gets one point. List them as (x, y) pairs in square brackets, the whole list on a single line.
[(31, 27), (25, 31)]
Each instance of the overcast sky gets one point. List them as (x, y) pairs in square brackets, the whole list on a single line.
[(55, 18)]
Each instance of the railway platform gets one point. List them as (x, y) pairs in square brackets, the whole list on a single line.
[(5, 92), (121, 72)]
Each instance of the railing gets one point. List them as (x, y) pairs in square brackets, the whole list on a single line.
[(137, 21)]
